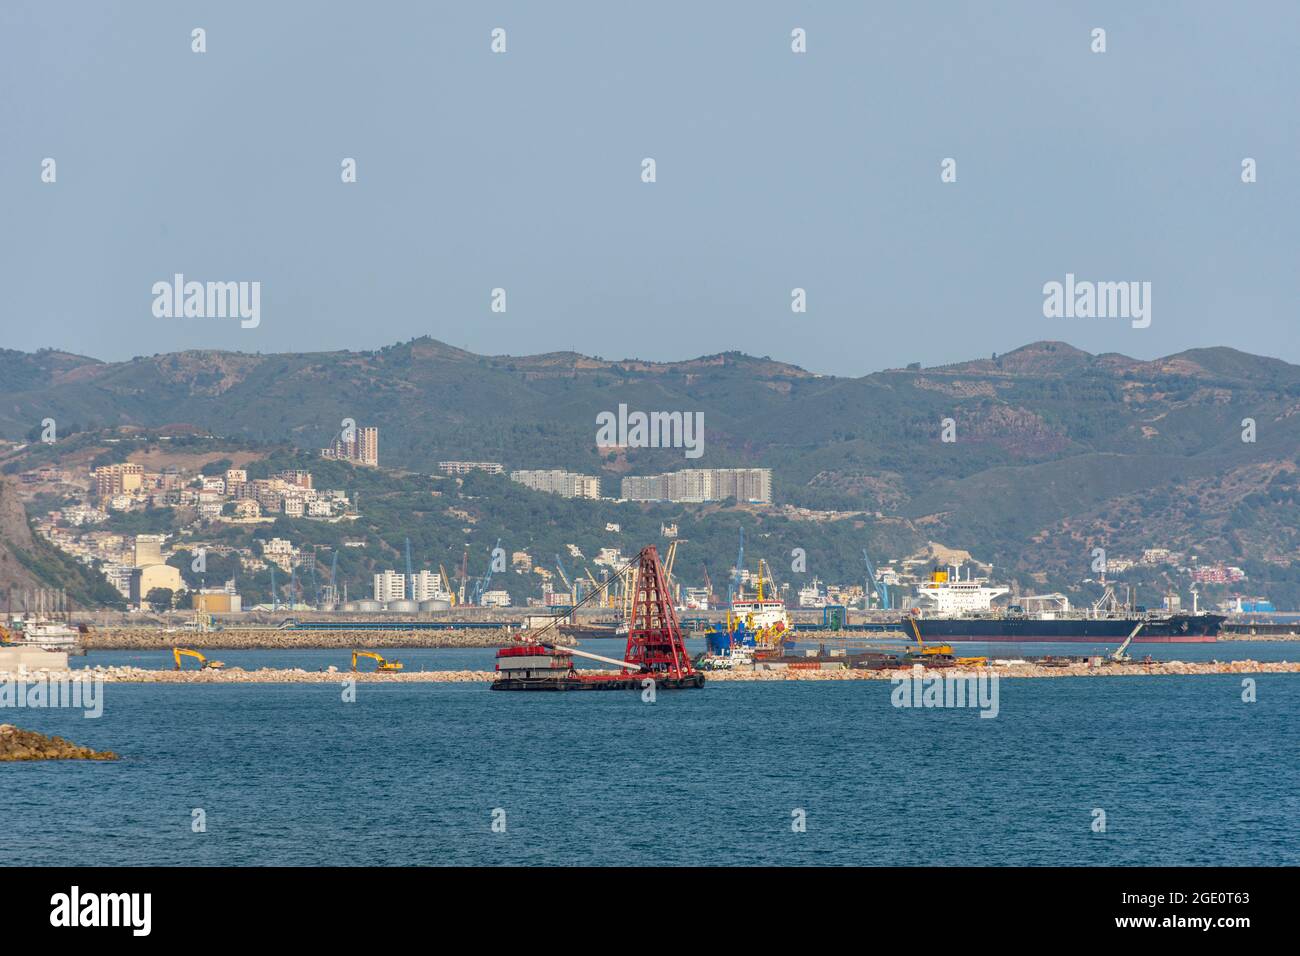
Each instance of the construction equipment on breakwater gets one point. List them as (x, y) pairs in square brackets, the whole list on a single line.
[(381, 663), (204, 663)]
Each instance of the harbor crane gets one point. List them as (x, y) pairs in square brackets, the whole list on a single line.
[(334, 571), (738, 572), (559, 566), (408, 590), (881, 589), (481, 587), (446, 584)]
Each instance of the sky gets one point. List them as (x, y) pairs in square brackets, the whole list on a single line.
[(774, 170)]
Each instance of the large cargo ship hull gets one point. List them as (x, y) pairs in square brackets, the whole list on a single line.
[(1175, 629)]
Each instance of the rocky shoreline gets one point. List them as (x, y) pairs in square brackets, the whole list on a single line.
[(18, 744), (268, 675)]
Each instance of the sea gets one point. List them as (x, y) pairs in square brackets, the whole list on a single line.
[(1161, 770)]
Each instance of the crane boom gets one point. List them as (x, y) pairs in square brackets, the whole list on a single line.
[(1119, 655), (559, 566)]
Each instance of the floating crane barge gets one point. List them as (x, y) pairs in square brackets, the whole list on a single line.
[(655, 649)]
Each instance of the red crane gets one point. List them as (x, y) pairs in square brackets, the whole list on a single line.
[(655, 649), (654, 641)]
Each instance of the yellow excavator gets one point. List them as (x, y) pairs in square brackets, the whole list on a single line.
[(383, 665), (204, 663), (944, 650)]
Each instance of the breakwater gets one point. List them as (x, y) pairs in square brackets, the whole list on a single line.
[(293, 675), (137, 638)]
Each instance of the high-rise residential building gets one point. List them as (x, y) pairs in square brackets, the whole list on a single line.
[(390, 586), (701, 484), (122, 479), (465, 467), (360, 445), (567, 484), (427, 586)]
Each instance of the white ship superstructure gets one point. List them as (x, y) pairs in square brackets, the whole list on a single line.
[(949, 595), (813, 595)]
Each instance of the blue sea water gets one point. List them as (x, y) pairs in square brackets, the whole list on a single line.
[(1186, 772)]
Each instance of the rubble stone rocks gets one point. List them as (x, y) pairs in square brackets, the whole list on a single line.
[(248, 638), (17, 744)]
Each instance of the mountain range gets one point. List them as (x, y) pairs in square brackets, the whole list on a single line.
[(1055, 451)]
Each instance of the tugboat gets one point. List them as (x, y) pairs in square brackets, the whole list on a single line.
[(655, 649)]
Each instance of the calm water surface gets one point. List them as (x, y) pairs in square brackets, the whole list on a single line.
[(410, 774)]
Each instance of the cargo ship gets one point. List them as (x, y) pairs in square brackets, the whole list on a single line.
[(956, 610), (1010, 627)]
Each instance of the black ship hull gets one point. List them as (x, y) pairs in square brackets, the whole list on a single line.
[(1174, 629)]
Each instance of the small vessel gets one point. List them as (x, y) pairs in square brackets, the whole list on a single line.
[(46, 634), (761, 612), (813, 595)]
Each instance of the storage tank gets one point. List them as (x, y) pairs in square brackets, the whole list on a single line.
[(348, 607), (435, 604), (368, 606), (402, 606)]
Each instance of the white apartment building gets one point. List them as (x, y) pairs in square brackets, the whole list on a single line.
[(390, 586), (427, 586), (566, 484), (701, 484)]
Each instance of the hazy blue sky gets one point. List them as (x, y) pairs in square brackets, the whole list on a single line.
[(775, 170)]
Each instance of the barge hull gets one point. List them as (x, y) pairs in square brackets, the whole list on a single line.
[(595, 683)]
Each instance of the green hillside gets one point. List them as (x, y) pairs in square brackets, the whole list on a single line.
[(1056, 450)]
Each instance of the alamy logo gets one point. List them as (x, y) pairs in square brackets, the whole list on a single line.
[(103, 909), (208, 300), (651, 430), (954, 689), (1098, 300), (84, 695)]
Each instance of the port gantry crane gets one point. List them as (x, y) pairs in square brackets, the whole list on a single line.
[(481, 585)]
